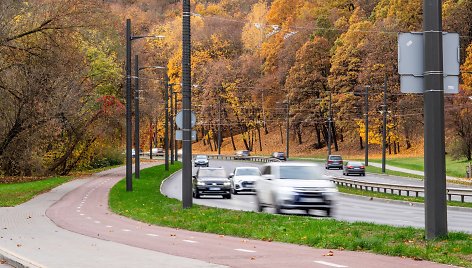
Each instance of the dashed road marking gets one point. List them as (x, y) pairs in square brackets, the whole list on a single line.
[(126, 230), (190, 241), (81, 214), (108, 226), (153, 235), (245, 250), (97, 221), (331, 264), (89, 218)]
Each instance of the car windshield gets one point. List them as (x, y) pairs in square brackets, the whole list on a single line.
[(212, 173), (300, 172), (280, 154), (335, 157), (247, 172), (200, 157)]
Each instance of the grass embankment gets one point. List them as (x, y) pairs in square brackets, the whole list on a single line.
[(146, 203), (12, 194)]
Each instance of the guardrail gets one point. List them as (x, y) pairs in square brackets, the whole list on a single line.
[(399, 189), (262, 159)]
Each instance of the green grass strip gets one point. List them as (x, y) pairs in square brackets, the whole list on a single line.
[(146, 203), (17, 193)]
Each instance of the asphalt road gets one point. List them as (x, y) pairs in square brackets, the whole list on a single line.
[(348, 207)]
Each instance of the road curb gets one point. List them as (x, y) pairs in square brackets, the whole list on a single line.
[(17, 261)]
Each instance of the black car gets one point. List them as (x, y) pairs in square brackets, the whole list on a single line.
[(211, 181), (334, 161), (279, 155), (353, 167), (201, 161)]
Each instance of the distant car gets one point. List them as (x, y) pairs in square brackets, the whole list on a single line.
[(242, 154), (243, 179), (295, 185), (201, 161), (211, 181), (133, 152), (353, 167), (157, 151), (334, 161), (279, 155)]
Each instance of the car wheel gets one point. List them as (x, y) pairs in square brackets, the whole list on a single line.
[(363, 174), (328, 212), (344, 173), (227, 196), (259, 206), (347, 173), (196, 194), (307, 211), (234, 192)]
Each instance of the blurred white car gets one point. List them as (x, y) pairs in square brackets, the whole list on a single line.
[(292, 185), (243, 179)]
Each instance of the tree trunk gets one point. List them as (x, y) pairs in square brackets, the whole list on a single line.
[(394, 147), (299, 133), (361, 143), (398, 147), (389, 146), (281, 134), (232, 138), (318, 136), (260, 140)]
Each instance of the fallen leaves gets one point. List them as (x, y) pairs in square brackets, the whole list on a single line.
[(329, 254)]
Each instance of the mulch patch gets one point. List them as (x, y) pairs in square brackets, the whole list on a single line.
[(14, 179)]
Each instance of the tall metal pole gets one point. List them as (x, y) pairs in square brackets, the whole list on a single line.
[(287, 149), (171, 124), (219, 126), (329, 124), (129, 168), (366, 99), (166, 124), (136, 118), (384, 125), (434, 141), (186, 108), (175, 113)]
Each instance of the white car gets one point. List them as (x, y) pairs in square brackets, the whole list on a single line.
[(292, 185), (243, 179)]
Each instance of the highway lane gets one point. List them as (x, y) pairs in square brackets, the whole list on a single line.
[(349, 208)]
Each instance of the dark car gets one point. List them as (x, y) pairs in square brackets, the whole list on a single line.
[(279, 155), (334, 161), (353, 167), (211, 181), (242, 154), (201, 161)]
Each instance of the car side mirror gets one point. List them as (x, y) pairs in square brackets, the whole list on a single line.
[(231, 175), (268, 177), (194, 176)]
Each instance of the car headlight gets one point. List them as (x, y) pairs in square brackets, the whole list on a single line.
[(200, 183), (226, 183)]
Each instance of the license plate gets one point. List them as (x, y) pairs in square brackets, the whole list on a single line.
[(310, 200), (215, 188), (357, 168)]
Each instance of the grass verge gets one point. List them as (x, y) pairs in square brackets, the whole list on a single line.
[(146, 203), (377, 170), (16, 193)]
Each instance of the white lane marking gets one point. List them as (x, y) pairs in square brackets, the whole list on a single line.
[(190, 241), (244, 250), (108, 226), (78, 210), (97, 221), (330, 264), (126, 230), (89, 218), (81, 214), (154, 235), (78, 207)]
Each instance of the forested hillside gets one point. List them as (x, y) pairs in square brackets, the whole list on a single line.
[(62, 75)]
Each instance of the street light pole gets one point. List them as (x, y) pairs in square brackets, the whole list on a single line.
[(136, 118), (186, 108), (171, 125), (384, 129), (287, 148), (434, 140), (366, 99), (129, 168), (166, 124), (219, 126), (329, 125), (175, 113)]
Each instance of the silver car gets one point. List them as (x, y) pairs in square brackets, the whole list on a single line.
[(292, 185), (243, 179)]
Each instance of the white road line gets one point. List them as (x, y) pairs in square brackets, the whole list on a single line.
[(190, 241), (97, 221), (89, 218), (244, 250), (81, 214), (330, 264), (126, 230), (153, 235), (108, 226), (78, 210)]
